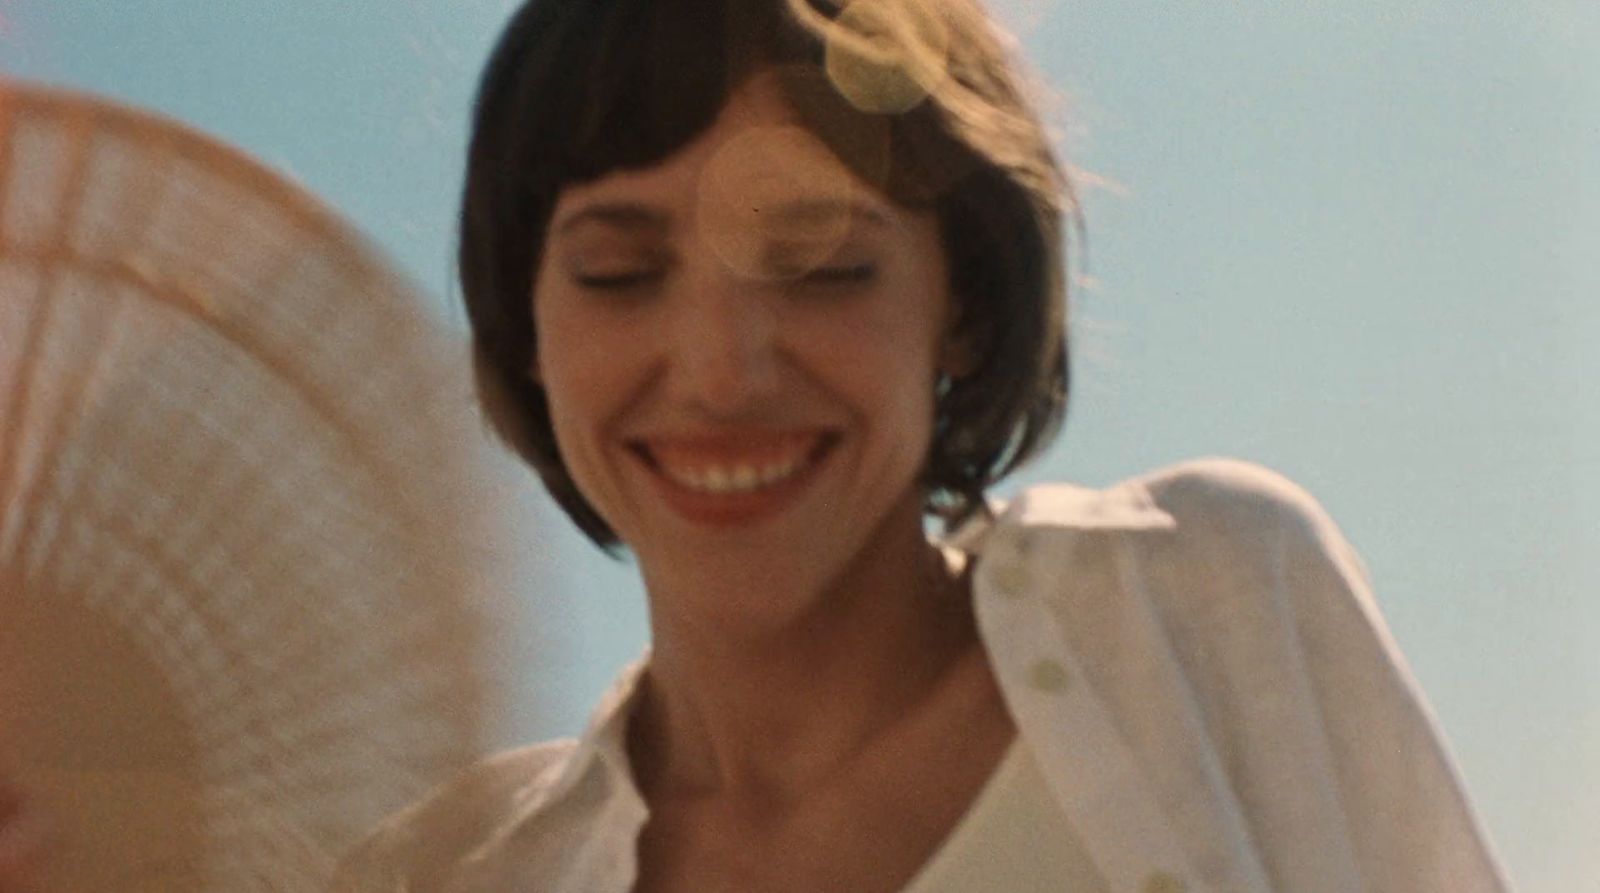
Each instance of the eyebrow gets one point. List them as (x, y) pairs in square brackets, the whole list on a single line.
[(823, 210), (623, 215), (800, 212)]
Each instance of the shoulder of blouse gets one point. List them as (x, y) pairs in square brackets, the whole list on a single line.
[(1253, 513), (1239, 489), (1215, 531), (1227, 495)]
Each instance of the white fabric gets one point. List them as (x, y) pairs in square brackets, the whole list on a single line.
[(1014, 838), (1193, 659)]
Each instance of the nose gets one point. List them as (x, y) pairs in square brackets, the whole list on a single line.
[(724, 347)]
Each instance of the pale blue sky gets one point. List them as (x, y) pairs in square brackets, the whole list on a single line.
[(1356, 242)]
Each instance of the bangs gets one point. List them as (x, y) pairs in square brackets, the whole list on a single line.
[(658, 74), (641, 79)]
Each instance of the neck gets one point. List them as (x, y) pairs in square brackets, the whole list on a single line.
[(772, 714)]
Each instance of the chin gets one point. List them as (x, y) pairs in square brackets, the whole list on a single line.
[(763, 579)]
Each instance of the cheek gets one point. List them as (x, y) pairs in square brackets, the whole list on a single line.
[(885, 360), (582, 380), (577, 370)]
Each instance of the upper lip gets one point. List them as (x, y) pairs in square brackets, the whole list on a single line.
[(732, 446), (745, 437)]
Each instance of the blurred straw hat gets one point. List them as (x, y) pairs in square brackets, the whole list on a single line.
[(239, 611)]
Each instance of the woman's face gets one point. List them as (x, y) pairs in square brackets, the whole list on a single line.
[(739, 347)]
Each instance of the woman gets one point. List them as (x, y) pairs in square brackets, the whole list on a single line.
[(755, 286)]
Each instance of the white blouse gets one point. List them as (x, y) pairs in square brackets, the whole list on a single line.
[(1014, 837), (1206, 697)]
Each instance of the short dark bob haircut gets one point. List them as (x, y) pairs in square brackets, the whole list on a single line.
[(576, 89)]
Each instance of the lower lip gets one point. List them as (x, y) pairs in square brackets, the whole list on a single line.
[(736, 509)]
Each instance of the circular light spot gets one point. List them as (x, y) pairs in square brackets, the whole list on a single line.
[(774, 185), (1049, 676), (886, 56)]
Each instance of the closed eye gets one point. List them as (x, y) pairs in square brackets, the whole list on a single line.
[(843, 274), (616, 281), (828, 279)]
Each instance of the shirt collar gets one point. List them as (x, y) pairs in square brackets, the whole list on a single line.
[(604, 738), (1127, 505)]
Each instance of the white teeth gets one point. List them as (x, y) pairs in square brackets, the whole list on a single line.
[(778, 471), (735, 479)]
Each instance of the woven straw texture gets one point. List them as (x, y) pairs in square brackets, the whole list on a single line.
[(237, 619)]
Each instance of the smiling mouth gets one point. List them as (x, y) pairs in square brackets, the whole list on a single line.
[(727, 467)]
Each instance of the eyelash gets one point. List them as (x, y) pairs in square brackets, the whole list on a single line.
[(620, 282), (853, 274)]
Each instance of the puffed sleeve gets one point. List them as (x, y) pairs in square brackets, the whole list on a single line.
[(1322, 728)]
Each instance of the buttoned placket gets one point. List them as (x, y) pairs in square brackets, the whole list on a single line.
[(1092, 773)]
